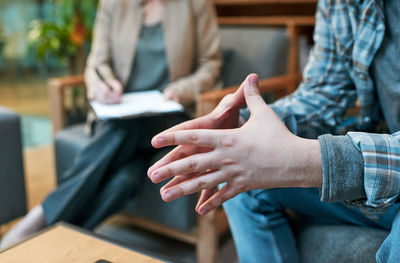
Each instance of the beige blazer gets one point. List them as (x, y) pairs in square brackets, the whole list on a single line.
[(192, 44)]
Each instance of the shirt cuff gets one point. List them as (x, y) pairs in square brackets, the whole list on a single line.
[(342, 169)]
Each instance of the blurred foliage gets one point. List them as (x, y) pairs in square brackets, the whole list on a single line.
[(1, 39), (1, 29), (63, 35)]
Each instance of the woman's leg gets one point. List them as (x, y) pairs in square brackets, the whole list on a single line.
[(31, 223), (127, 172), (260, 225), (114, 145), (85, 176), (79, 183), (114, 194)]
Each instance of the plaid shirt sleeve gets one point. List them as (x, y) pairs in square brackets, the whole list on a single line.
[(327, 91), (381, 153)]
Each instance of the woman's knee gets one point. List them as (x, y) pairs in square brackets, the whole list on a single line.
[(128, 178)]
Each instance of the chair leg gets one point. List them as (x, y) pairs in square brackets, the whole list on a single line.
[(207, 245)]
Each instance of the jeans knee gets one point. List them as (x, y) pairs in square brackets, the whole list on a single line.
[(260, 200), (389, 251)]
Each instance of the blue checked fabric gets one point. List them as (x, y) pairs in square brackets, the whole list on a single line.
[(347, 35), (381, 153)]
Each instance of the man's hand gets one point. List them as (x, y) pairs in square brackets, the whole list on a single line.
[(224, 116), (109, 93), (262, 153)]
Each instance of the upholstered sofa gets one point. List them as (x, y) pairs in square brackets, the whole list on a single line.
[(12, 182)]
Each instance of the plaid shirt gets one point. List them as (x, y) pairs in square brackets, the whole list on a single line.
[(347, 36)]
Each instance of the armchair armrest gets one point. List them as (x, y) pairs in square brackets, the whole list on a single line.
[(279, 86), (57, 89)]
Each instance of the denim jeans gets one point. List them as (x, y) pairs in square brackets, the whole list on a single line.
[(262, 233)]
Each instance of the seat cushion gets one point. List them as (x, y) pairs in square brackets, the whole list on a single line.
[(147, 204), (339, 243)]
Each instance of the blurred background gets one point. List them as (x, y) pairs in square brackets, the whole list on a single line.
[(40, 39), (45, 39)]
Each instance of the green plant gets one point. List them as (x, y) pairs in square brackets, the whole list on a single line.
[(1, 39), (65, 32)]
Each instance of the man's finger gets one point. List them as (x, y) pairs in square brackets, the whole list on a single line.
[(231, 101), (193, 185), (254, 101), (224, 194), (198, 163), (205, 195), (209, 138), (177, 180), (177, 153)]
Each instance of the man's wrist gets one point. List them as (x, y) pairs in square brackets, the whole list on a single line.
[(309, 163)]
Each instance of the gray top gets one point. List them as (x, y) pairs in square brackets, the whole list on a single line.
[(346, 182), (150, 68)]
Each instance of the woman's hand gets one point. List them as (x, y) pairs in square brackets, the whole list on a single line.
[(262, 153), (109, 93), (170, 94)]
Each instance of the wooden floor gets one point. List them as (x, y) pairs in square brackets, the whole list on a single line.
[(39, 173)]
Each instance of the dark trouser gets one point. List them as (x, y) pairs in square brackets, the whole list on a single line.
[(108, 172)]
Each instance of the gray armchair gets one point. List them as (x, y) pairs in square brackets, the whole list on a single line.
[(339, 243), (12, 182)]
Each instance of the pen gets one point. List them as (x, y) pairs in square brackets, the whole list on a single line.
[(100, 76)]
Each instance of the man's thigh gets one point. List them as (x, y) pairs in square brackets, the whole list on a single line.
[(306, 203)]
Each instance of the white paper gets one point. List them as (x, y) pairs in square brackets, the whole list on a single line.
[(135, 104)]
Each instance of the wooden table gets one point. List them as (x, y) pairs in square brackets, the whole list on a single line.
[(64, 243)]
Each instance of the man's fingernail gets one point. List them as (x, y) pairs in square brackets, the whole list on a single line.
[(253, 81), (160, 140), (167, 196), (203, 211), (156, 176)]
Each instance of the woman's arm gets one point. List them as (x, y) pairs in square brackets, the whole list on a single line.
[(208, 55), (100, 58)]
